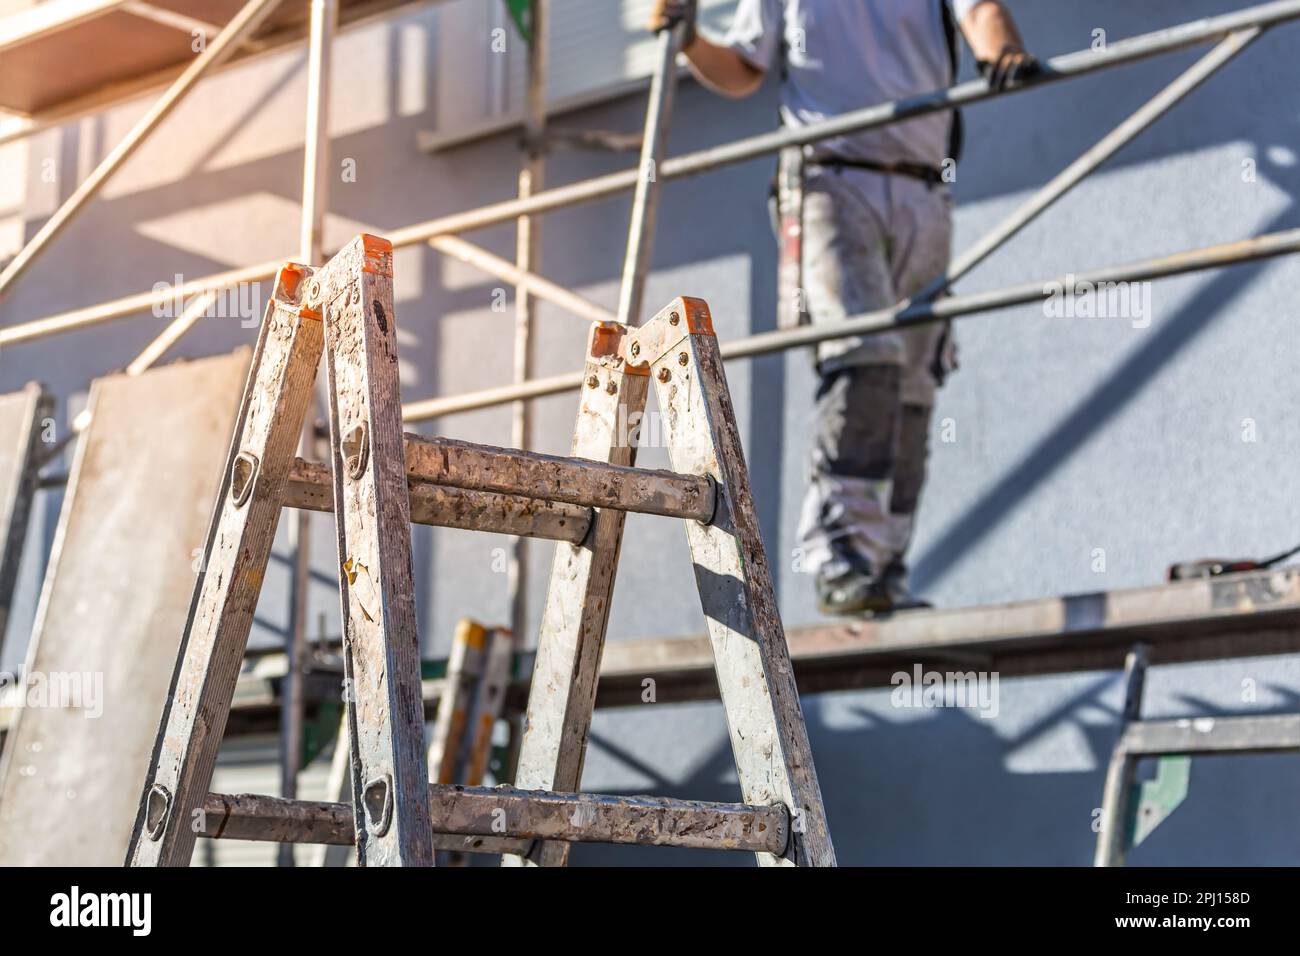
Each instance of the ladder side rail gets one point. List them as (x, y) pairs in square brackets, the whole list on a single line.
[(225, 594), (768, 736), (381, 646), (576, 613)]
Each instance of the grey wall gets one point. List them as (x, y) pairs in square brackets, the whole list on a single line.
[(1071, 435)]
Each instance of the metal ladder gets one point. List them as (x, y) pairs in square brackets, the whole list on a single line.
[(345, 309), (1132, 809)]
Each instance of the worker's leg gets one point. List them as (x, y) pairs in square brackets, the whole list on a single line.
[(845, 527), (921, 222), (846, 523), (909, 479)]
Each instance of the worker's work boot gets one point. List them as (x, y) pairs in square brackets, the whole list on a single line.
[(849, 593), (855, 592), (895, 587)]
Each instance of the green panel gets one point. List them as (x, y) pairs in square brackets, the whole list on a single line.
[(521, 12), (1153, 800), (320, 732)]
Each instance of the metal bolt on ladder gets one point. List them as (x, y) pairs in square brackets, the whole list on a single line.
[(345, 309)]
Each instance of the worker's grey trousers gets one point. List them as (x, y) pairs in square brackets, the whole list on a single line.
[(870, 240)]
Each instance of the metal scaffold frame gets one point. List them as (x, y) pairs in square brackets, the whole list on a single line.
[(1232, 31), (1230, 34)]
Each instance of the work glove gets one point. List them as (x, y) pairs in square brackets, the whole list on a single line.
[(666, 14), (1009, 69)]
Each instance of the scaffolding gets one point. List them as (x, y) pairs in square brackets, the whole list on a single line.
[(262, 25)]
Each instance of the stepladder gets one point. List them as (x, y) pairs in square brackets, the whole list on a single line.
[(379, 477)]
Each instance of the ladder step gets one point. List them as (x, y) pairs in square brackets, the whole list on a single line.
[(310, 487), (527, 815), (276, 820), (576, 481)]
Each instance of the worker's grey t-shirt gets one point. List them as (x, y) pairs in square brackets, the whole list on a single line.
[(843, 55)]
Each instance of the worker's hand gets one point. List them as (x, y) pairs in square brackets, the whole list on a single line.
[(1010, 68), (665, 14)]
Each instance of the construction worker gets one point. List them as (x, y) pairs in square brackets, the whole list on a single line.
[(876, 228)]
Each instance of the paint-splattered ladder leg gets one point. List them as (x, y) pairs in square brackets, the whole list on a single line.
[(764, 717), (577, 604), (390, 782), (234, 563)]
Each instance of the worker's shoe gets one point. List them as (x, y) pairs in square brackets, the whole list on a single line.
[(900, 595), (854, 593), (849, 593)]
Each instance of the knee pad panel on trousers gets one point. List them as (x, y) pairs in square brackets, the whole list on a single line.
[(857, 422)]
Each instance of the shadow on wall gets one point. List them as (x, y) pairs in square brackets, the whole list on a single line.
[(1219, 119)]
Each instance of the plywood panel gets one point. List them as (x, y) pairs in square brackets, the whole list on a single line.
[(113, 53), (113, 608), (40, 74)]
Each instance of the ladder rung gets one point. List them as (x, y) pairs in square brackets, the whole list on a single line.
[(311, 488), (527, 815), (577, 481), (276, 820)]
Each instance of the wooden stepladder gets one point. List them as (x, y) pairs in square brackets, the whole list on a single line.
[(397, 817)]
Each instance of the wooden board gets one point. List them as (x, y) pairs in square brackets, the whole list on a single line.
[(1234, 616), (113, 606), (102, 49), (1227, 618)]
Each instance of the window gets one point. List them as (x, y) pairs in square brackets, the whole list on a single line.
[(598, 49)]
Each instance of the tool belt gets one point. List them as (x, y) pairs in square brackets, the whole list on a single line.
[(927, 174)]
